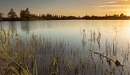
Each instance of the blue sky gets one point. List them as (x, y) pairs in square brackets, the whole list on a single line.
[(67, 7)]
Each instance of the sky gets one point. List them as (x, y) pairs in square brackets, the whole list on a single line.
[(67, 7)]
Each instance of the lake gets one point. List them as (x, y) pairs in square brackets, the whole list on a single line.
[(71, 30), (79, 34)]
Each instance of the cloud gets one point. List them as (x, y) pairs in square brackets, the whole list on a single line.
[(119, 3)]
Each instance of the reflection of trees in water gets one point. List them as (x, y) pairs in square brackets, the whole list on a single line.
[(12, 27), (32, 25), (28, 26), (25, 26)]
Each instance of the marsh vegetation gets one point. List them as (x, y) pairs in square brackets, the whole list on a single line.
[(41, 56)]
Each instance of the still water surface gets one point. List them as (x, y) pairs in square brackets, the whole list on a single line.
[(71, 30)]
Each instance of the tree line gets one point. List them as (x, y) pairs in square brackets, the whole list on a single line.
[(26, 15)]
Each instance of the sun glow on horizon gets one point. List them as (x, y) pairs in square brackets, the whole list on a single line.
[(128, 13)]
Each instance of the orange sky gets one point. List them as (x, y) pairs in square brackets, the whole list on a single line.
[(68, 7)]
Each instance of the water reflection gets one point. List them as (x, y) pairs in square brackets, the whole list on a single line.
[(70, 30), (25, 26), (13, 27), (83, 39)]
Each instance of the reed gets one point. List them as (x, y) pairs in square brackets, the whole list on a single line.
[(41, 56)]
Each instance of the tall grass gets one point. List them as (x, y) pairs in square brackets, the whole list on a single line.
[(41, 56)]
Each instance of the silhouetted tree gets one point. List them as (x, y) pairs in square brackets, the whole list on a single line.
[(22, 15), (86, 17), (55, 17), (1, 14), (48, 16), (121, 15), (25, 14), (43, 17), (12, 15)]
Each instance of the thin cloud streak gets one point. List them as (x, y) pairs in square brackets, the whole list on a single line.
[(120, 3)]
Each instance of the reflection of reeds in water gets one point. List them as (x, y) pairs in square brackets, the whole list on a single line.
[(83, 39), (41, 56)]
